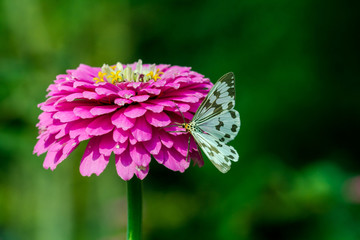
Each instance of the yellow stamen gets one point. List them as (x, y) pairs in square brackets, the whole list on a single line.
[(154, 76), (100, 78), (118, 73), (150, 74), (115, 76)]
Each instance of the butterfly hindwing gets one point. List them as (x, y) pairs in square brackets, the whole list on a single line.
[(218, 153)]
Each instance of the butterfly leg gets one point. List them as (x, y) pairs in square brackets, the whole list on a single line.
[(173, 125), (188, 150)]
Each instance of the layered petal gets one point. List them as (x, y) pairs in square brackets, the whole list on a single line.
[(142, 130), (93, 161), (126, 115), (125, 166)]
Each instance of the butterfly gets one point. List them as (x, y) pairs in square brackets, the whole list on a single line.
[(216, 122)]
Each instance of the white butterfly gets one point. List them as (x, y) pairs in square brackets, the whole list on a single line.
[(216, 122)]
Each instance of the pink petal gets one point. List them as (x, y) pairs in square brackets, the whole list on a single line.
[(173, 85), (160, 157), (134, 111), (66, 116), (122, 101), (121, 121), (100, 126), (152, 91), (126, 93), (70, 146), (190, 99), (91, 95), (125, 167), (83, 111), (78, 129), (152, 107), (175, 161), (107, 144), (142, 171), (64, 130), (58, 145), (39, 147), (140, 155), (120, 147), (182, 144), (93, 161), (73, 96), (132, 140), (52, 159), (184, 107), (162, 102), (66, 106), (153, 146), (100, 110), (197, 158), (140, 98), (134, 85), (87, 85), (185, 93), (166, 139), (157, 119), (66, 88), (59, 151), (47, 107), (159, 83), (56, 126), (46, 118), (84, 72), (106, 91), (142, 130), (120, 135), (44, 143)]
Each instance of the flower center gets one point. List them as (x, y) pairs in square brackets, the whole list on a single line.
[(117, 73)]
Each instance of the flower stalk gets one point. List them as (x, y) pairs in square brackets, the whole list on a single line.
[(134, 201)]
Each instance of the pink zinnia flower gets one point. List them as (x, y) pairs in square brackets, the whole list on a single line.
[(121, 109)]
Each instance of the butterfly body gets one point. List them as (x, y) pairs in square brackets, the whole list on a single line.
[(191, 127), (216, 122)]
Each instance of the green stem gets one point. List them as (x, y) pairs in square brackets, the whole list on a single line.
[(134, 197)]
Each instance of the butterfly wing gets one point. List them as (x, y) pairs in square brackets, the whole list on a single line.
[(220, 98), (218, 153), (217, 123), (223, 127)]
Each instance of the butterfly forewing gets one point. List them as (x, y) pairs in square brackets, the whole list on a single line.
[(220, 98)]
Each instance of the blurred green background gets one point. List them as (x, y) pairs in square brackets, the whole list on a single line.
[(297, 76)]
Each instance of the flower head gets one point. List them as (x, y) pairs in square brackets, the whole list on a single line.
[(121, 110)]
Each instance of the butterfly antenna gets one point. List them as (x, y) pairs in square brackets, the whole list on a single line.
[(182, 115), (176, 123)]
